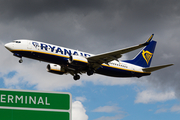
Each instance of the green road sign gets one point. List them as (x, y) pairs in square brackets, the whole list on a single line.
[(36, 105)]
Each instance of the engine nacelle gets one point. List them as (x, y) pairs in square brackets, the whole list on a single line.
[(77, 60), (57, 69)]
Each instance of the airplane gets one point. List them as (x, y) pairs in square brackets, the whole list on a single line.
[(68, 61)]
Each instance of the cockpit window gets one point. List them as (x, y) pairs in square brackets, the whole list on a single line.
[(17, 41)]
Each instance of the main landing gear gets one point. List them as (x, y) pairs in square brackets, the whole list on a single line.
[(90, 72), (76, 77)]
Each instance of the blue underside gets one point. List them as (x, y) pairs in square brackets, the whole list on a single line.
[(105, 70)]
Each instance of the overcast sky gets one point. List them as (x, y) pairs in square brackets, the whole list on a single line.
[(95, 26)]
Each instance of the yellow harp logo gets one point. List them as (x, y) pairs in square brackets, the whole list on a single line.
[(147, 56)]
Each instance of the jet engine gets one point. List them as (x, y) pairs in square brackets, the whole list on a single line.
[(57, 69), (77, 60)]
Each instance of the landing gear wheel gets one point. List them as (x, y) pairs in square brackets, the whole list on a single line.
[(20, 61), (76, 77), (90, 72)]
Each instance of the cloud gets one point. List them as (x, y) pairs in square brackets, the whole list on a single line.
[(78, 111), (82, 99), (95, 27), (117, 117), (110, 109), (175, 108), (165, 108), (162, 110), (107, 109), (23, 9), (150, 96)]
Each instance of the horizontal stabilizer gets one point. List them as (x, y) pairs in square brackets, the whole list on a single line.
[(151, 69)]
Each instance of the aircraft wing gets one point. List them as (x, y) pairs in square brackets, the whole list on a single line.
[(97, 60)]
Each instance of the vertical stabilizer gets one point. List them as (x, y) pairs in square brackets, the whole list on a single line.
[(144, 58)]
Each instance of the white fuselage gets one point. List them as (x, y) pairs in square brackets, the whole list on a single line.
[(51, 53)]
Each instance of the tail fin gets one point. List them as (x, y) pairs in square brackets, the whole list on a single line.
[(144, 58)]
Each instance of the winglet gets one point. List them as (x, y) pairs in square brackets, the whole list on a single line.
[(149, 40)]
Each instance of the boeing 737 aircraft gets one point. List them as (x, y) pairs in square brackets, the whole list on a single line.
[(64, 60)]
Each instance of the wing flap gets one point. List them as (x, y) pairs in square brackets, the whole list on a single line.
[(151, 69)]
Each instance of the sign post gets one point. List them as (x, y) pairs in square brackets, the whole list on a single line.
[(35, 105)]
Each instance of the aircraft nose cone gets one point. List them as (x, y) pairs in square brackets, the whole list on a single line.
[(8, 46)]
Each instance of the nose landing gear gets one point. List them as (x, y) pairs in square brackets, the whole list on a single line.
[(19, 56), (21, 60)]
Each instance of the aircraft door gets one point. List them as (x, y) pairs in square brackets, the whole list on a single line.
[(29, 45)]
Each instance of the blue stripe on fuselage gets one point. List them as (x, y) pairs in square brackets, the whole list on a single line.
[(43, 57), (62, 60), (118, 72)]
